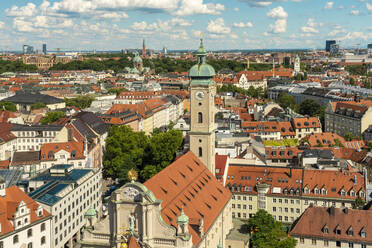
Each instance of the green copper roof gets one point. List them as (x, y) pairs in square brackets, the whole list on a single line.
[(91, 212), (137, 58), (182, 219), (201, 71)]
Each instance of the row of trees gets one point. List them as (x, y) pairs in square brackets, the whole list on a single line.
[(360, 70), (5, 105), (80, 102), (308, 107), (96, 65), (51, 117), (15, 66), (126, 150), (252, 92)]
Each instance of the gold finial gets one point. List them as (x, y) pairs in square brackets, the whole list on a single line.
[(132, 175)]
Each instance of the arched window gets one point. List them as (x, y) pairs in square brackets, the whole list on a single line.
[(42, 240), (200, 117), (200, 152), (29, 233), (29, 245)]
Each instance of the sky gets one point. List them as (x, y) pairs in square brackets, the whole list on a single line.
[(178, 24)]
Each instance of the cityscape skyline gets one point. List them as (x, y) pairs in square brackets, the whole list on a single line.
[(244, 24)]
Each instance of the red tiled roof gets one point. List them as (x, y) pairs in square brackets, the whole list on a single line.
[(4, 164), (9, 204), (5, 115), (220, 163), (278, 178), (5, 133), (334, 182), (187, 184), (324, 139), (282, 153), (315, 219), (306, 122), (78, 147)]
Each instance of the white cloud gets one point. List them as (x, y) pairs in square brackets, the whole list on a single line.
[(277, 13), (311, 26), (335, 32), (354, 12), (279, 26), (218, 27), (280, 16), (190, 7), (180, 22), (243, 25), (234, 36), (113, 15), (329, 5), (2, 25), (258, 3), (27, 10), (196, 33), (236, 9), (369, 7)]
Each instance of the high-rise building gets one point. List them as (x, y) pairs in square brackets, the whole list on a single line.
[(328, 45), (44, 49), (27, 49), (334, 49), (202, 92), (165, 51), (369, 46)]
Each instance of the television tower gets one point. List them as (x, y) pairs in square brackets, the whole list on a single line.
[(143, 49)]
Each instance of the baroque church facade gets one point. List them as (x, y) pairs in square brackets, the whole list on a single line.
[(183, 206)]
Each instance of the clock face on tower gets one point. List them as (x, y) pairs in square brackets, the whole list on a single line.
[(199, 95)]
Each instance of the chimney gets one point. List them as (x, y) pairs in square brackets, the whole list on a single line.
[(355, 179)]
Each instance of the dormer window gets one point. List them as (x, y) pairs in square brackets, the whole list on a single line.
[(316, 191), (324, 191), (352, 193), (50, 155), (73, 153), (350, 231), (325, 229), (306, 190), (343, 192), (338, 230), (363, 233), (361, 194)]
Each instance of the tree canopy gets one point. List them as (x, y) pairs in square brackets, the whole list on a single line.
[(252, 92), (6, 105), (38, 105), (51, 117), (15, 66), (268, 233), (360, 70), (287, 101), (126, 149), (80, 102)]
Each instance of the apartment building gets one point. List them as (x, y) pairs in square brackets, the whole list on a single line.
[(306, 125), (333, 227), (286, 192), (67, 194), (23, 221), (348, 117)]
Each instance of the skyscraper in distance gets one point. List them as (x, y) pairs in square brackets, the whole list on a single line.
[(328, 45), (44, 49)]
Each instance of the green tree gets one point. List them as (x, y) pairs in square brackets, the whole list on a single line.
[(116, 91), (358, 203), (38, 105), (6, 105), (126, 149), (310, 107), (268, 233), (80, 102), (352, 81), (51, 117), (286, 101)]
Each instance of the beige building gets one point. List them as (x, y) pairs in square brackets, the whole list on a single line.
[(285, 193), (348, 117)]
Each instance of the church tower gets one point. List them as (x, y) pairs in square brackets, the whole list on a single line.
[(202, 92), (297, 64)]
